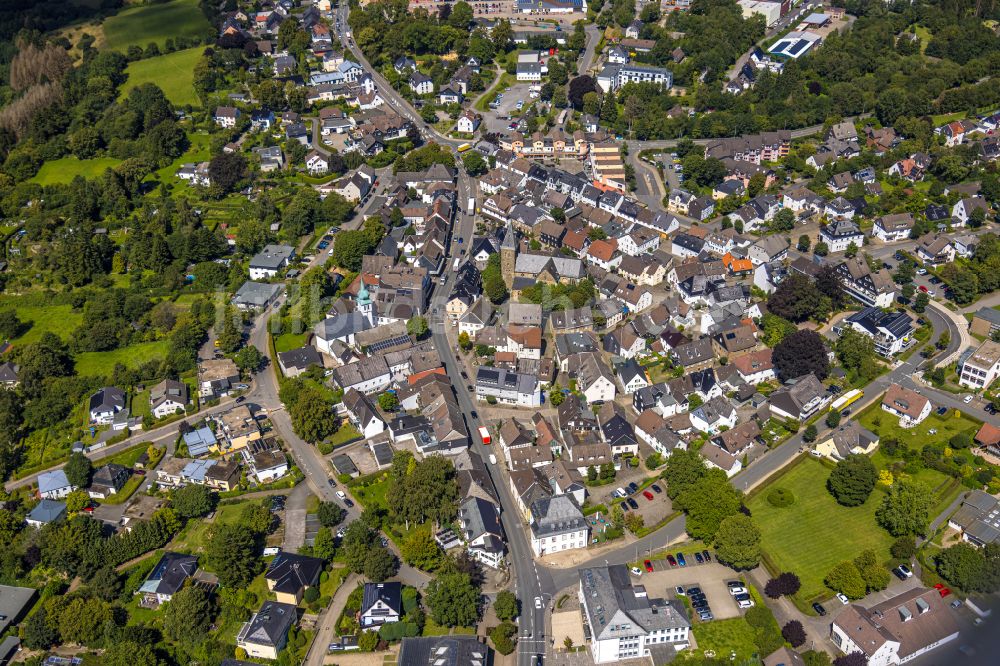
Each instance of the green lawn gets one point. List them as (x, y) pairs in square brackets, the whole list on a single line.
[(885, 425), (193, 537), (172, 72), (102, 363), (724, 637), (58, 319), (289, 341), (198, 151), (142, 24), (64, 170), (372, 494), (814, 534)]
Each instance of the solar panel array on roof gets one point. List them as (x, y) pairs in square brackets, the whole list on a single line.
[(387, 344)]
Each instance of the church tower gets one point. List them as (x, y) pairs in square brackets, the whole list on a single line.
[(364, 304), (508, 255)]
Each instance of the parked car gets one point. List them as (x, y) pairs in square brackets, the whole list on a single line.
[(656, 489), (648, 495), (623, 505), (694, 590), (632, 503), (708, 558), (671, 561), (942, 411), (843, 598), (967, 399), (648, 565), (956, 603), (636, 571), (680, 560), (898, 574), (818, 607), (698, 558), (679, 590), (331, 483), (633, 487)]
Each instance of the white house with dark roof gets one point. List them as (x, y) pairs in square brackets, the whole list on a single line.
[(105, 404), (909, 406), (557, 524), (840, 234), (381, 603), (269, 261)]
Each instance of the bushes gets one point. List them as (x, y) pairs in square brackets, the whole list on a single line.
[(767, 634), (903, 548), (794, 633), (780, 497), (852, 480), (397, 631), (786, 584), (503, 637)]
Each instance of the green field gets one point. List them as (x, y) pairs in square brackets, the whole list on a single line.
[(64, 170), (885, 425), (173, 73), (102, 363), (724, 637), (815, 533), (198, 151), (142, 24)]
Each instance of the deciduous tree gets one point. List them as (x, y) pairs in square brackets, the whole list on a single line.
[(852, 480), (737, 542)]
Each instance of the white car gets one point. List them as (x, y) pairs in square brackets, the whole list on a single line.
[(538, 603), (746, 603), (341, 494), (636, 571), (967, 399), (843, 598), (738, 590)]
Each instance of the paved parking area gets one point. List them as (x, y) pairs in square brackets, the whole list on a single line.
[(496, 119), (710, 577)]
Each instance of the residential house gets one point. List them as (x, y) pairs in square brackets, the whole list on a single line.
[(296, 361), (289, 574), (909, 406), (893, 228), (631, 376), (978, 517), (985, 322), (755, 367), (840, 234), (479, 520), (270, 261), (167, 397), (891, 331), (45, 512), (54, 485), (239, 428), (897, 630), (557, 524), (217, 378), (381, 603), (108, 480), (872, 288), (9, 375), (593, 378), (935, 250), (226, 116), (506, 387), (847, 439), (167, 577), (106, 404), (713, 415), (799, 399), (266, 634)]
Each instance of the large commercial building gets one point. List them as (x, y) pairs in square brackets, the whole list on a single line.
[(624, 622)]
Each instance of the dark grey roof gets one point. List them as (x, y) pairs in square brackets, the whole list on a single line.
[(388, 593), (269, 625), (300, 358), (292, 572), (444, 651), (170, 572), (109, 397), (556, 515)]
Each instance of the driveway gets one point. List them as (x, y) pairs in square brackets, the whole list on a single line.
[(295, 519)]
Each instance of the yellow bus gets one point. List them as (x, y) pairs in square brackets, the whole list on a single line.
[(464, 147), (848, 398)]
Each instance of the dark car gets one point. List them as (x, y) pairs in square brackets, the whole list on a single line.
[(698, 600), (474, 414), (623, 505), (328, 238), (241, 400), (680, 560), (323, 245), (632, 503), (818, 607), (708, 558), (349, 503), (656, 489), (632, 487), (698, 558), (671, 561), (845, 413), (331, 483), (935, 280), (694, 591), (899, 574), (942, 411)]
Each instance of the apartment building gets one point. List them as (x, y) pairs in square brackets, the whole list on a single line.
[(982, 367)]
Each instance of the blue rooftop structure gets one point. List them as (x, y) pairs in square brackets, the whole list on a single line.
[(198, 441), (196, 469), (47, 511), (54, 484)]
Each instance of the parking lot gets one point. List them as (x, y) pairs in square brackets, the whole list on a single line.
[(496, 119), (710, 577), (652, 508)]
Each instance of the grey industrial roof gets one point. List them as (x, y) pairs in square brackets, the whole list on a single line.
[(272, 257), (256, 294)]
